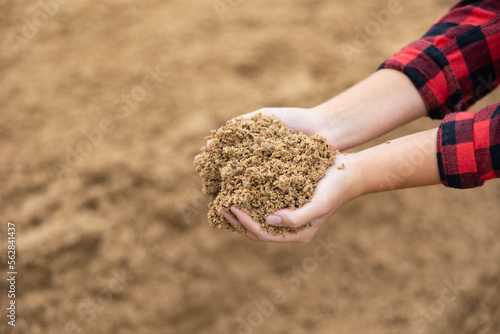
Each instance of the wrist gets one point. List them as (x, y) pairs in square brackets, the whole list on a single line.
[(333, 126), (405, 162), (351, 165)]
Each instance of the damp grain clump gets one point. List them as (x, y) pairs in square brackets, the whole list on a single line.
[(260, 166)]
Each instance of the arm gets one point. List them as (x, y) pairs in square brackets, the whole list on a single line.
[(466, 155), (452, 66), (405, 162), (456, 62), (382, 102)]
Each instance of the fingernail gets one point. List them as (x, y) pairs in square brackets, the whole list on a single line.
[(274, 220)]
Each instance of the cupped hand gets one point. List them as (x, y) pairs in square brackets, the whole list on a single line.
[(332, 192), (308, 121)]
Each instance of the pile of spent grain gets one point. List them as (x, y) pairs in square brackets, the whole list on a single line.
[(261, 166)]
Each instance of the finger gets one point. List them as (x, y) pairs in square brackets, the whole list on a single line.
[(244, 219), (307, 213), (310, 212), (255, 232), (209, 142), (233, 221), (252, 237)]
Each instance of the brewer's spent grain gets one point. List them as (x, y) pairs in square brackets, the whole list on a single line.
[(261, 166)]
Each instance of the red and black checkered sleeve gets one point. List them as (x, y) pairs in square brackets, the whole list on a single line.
[(457, 61), (453, 65), (468, 147)]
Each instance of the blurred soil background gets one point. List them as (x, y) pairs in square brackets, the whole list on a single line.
[(103, 107)]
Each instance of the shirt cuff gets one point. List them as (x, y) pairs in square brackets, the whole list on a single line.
[(465, 153)]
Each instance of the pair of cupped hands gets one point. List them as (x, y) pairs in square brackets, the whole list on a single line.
[(332, 191)]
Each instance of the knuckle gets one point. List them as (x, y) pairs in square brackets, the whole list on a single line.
[(293, 222)]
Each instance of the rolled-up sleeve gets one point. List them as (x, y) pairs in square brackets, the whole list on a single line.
[(468, 148)]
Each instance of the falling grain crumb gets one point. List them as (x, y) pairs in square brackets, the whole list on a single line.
[(341, 166), (388, 142), (261, 166)]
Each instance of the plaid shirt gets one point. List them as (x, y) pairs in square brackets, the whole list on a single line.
[(453, 65)]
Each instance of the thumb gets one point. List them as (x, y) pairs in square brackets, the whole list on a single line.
[(298, 217)]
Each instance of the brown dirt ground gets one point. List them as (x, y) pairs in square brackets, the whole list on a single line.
[(132, 205)]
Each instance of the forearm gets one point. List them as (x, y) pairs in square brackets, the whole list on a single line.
[(401, 163), (384, 101)]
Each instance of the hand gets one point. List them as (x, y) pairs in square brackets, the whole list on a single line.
[(381, 103), (329, 196), (333, 191), (405, 162), (308, 121)]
